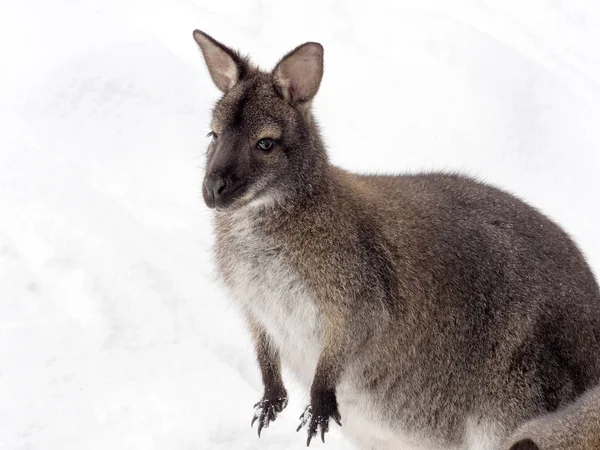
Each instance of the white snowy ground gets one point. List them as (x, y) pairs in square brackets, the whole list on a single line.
[(113, 332)]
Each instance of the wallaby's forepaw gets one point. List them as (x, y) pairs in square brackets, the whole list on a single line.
[(316, 419), (266, 411)]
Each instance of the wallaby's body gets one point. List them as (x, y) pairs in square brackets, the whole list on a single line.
[(575, 427), (428, 311)]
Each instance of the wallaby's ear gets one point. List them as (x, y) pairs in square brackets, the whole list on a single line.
[(524, 444), (225, 66), (298, 74)]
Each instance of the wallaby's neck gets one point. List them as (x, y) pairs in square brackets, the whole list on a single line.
[(315, 185), (314, 181)]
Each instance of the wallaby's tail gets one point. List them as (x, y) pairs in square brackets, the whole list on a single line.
[(575, 427)]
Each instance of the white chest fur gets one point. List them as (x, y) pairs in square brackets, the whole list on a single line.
[(267, 286)]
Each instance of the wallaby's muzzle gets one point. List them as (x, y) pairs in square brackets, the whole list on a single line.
[(220, 190), (226, 173)]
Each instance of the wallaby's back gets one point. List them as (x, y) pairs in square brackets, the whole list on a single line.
[(500, 307)]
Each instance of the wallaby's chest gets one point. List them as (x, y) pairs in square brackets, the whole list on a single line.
[(257, 270), (261, 278)]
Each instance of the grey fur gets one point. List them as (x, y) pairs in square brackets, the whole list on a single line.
[(429, 311), (575, 427)]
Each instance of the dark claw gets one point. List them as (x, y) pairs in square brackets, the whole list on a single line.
[(312, 431), (313, 428), (316, 423), (337, 419), (266, 412), (260, 427), (304, 418)]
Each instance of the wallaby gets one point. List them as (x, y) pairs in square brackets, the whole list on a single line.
[(426, 311), (575, 427)]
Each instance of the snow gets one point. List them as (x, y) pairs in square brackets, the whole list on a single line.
[(113, 331)]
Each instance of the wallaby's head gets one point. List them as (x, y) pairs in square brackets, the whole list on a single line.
[(265, 146)]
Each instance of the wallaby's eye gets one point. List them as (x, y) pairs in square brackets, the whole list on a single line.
[(265, 144), (212, 135)]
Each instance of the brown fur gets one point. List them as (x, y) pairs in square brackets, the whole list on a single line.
[(429, 311), (575, 427)]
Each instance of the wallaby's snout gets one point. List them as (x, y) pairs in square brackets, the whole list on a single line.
[(227, 175), (218, 189)]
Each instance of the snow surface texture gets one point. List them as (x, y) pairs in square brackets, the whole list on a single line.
[(113, 331)]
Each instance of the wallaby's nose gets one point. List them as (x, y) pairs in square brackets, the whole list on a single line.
[(216, 188)]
